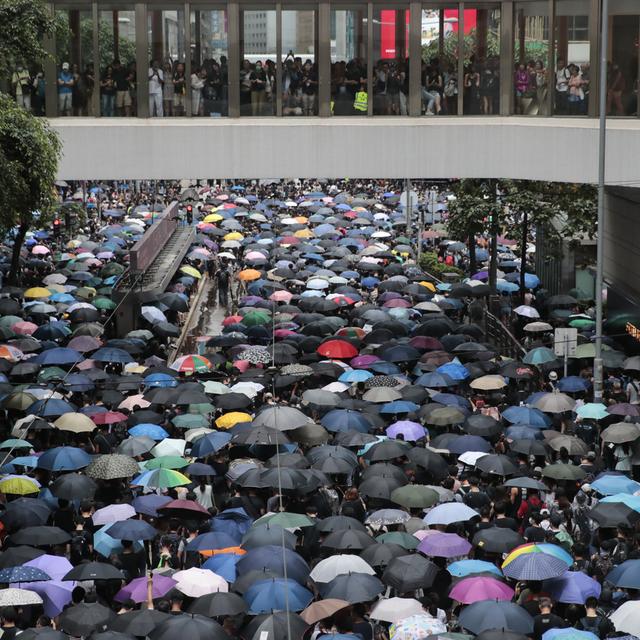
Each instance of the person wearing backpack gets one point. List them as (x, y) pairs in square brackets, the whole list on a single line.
[(81, 544), (592, 621)]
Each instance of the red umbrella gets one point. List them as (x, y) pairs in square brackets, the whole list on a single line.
[(184, 505), (231, 320), (337, 349), (109, 417)]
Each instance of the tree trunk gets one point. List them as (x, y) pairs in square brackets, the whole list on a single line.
[(14, 273), (472, 254), (523, 253)]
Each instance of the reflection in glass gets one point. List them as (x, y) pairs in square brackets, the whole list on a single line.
[(531, 58), (118, 63), (299, 68), (622, 78), (209, 70), (391, 53), (166, 53), (349, 95), (258, 70), (573, 68), (482, 61), (439, 72)]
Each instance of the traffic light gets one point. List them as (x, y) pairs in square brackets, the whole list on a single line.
[(189, 214), (57, 227)]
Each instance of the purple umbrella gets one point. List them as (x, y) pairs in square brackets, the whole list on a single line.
[(411, 431), (572, 587), (361, 362), (55, 566), (148, 505), (444, 545), (472, 590), (137, 588), (56, 595)]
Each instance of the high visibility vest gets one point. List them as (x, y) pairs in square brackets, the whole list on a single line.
[(360, 103)]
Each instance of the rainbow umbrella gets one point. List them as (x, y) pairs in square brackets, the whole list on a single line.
[(191, 364), (160, 479), (543, 547)]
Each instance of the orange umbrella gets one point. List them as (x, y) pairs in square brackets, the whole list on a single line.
[(249, 274)]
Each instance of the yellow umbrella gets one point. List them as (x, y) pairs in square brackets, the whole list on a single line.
[(304, 233), (249, 274), (234, 235), (228, 420), (73, 244), (301, 219), (213, 217), (19, 485), (191, 271), (56, 288), (37, 292), (75, 422), (427, 285), (488, 383)]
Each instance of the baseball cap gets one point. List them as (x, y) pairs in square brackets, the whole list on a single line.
[(553, 376), (65, 66)]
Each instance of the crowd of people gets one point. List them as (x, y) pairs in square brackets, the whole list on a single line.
[(347, 455)]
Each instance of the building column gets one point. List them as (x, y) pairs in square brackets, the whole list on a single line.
[(95, 98), (370, 59), (506, 58), (415, 59), (233, 63), (187, 56), (551, 71), (278, 93), (75, 53), (142, 60), (324, 58), (157, 36), (460, 59), (595, 20)]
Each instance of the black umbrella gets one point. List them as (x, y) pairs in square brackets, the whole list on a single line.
[(16, 556), (497, 540), (138, 623), (73, 486), (410, 572), (387, 450), (109, 634), (260, 435), (217, 604), (353, 587), (496, 464), (25, 512), (43, 633), (380, 487), (500, 634), (478, 617), (85, 618), (41, 536), (267, 534), (277, 626), (381, 554), (529, 447), (232, 401), (385, 470), (243, 582), (430, 461), (190, 626), (480, 425), (94, 571), (340, 523), (526, 483), (614, 514), (353, 438), (348, 540)]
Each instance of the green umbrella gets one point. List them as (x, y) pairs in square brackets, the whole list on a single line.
[(401, 538), (166, 462), (190, 421), (254, 318), (6, 333), (561, 471), (539, 355), (202, 408), (103, 303), (286, 520), (9, 321), (18, 400), (582, 323), (414, 496), (51, 373), (111, 269)]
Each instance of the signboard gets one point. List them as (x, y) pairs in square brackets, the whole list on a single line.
[(565, 342)]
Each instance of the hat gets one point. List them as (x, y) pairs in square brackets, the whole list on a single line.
[(586, 487), (591, 455), (65, 66), (553, 376)]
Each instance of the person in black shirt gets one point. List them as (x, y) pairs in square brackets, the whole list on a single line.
[(534, 532), (130, 561), (63, 516), (546, 620), (475, 498), (9, 617), (501, 520)]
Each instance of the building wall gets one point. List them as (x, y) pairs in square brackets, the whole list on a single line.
[(555, 149)]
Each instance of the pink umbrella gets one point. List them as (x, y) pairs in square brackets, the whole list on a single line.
[(472, 590), (24, 328), (132, 401), (281, 296), (40, 250)]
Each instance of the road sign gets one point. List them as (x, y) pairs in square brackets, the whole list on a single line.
[(565, 342)]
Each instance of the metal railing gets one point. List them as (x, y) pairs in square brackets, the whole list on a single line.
[(499, 336)]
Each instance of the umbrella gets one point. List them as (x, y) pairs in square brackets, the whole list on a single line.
[(568, 634), (326, 570), (614, 514), (444, 545), (322, 609), (416, 627), (85, 618), (190, 626), (63, 459), (449, 513), (572, 587), (94, 571), (137, 589), (410, 572), (40, 536), (18, 597), (395, 609), (534, 566), (489, 614), (113, 513), (217, 604), (277, 594), (138, 623), (22, 574), (354, 588), (611, 483), (195, 582), (464, 568), (620, 432), (277, 626), (132, 530), (497, 540), (474, 589), (73, 486), (626, 619)]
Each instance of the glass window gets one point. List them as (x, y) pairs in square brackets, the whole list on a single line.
[(209, 70), (166, 55), (622, 79), (481, 61), (439, 73), (391, 60), (349, 95), (118, 62), (74, 68), (531, 59), (258, 53), (299, 68), (572, 75)]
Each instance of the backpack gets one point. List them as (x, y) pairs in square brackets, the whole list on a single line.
[(80, 548)]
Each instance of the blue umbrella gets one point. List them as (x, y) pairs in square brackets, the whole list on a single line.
[(55, 330), (451, 400), (132, 530), (276, 594), (22, 574), (507, 287), (489, 614), (526, 415), (572, 587), (610, 483), (398, 406), (106, 545), (370, 282), (570, 633), (355, 375), (210, 443), (463, 568), (224, 564), (59, 355), (63, 459), (625, 575), (468, 443), (436, 380), (523, 432), (454, 369), (272, 558), (633, 502), (111, 354), (573, 384), (385, 368), (78, 382), (535, 566), (235, 522), (160, 380), (211, 541), (345, 420), (153, 431), (149, 504), (50, 408)]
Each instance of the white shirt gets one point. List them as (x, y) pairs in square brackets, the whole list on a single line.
[(155, 81), (204, 496)]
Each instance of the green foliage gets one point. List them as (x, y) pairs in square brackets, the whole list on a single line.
[(29, 152), (25, 24), (429, 262), (450, 48)]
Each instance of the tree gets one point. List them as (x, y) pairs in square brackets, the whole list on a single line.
[(25, 24), (29, 152)]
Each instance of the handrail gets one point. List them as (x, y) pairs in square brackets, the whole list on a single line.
[(146, 250)]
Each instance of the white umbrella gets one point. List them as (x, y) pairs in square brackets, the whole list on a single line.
[(416, 627), (197, 582), (394, 609), (554, 402), (169, 447), (471, 457), (198, 432), (250, 389), (18, 598), (526, 311), (153, 315), (215, 388), (533, 327), (113, 513), (626, 617), (326, 570)]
